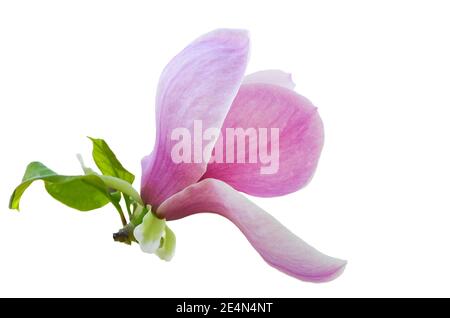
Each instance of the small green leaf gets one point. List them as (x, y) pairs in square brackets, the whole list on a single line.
[(107, 161), (84, 193)]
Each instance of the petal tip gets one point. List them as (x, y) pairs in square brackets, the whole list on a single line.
[(322, 276), (341, 265), (239, 34), (235, 38), (331, 274)]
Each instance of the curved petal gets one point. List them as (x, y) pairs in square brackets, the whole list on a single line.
[(287, 146), (200, 83), (275, 77), (277, 245)]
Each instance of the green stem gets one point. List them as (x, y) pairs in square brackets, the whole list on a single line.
[(128, 203), (122, 186), (122, 216), (113, 182), (139, 214)]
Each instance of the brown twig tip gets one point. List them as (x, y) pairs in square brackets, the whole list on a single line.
[(123, 236)]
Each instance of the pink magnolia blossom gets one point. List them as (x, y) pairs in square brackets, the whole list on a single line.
[(206, 82)]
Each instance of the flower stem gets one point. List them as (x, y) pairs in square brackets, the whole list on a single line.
[(122, 186), (118, 184), (113, 182), (122, 216), (128, 203)]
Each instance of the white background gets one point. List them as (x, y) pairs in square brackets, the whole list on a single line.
[(379, 72)]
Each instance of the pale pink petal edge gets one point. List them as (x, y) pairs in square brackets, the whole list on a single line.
[(278, 246), (274, 77)]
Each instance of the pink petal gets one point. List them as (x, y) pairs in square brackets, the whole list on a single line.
[(200, 83), (300, 141), (277, 245), (275, 77)]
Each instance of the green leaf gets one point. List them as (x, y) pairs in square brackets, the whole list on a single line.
[(107, 161), (84, 193)]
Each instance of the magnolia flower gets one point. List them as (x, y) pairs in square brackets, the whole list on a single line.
[(204, 87), (205, 82)]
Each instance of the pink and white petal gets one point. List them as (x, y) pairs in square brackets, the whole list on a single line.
[(274, 77), (300, 141), (278, 246), (199, 83)]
